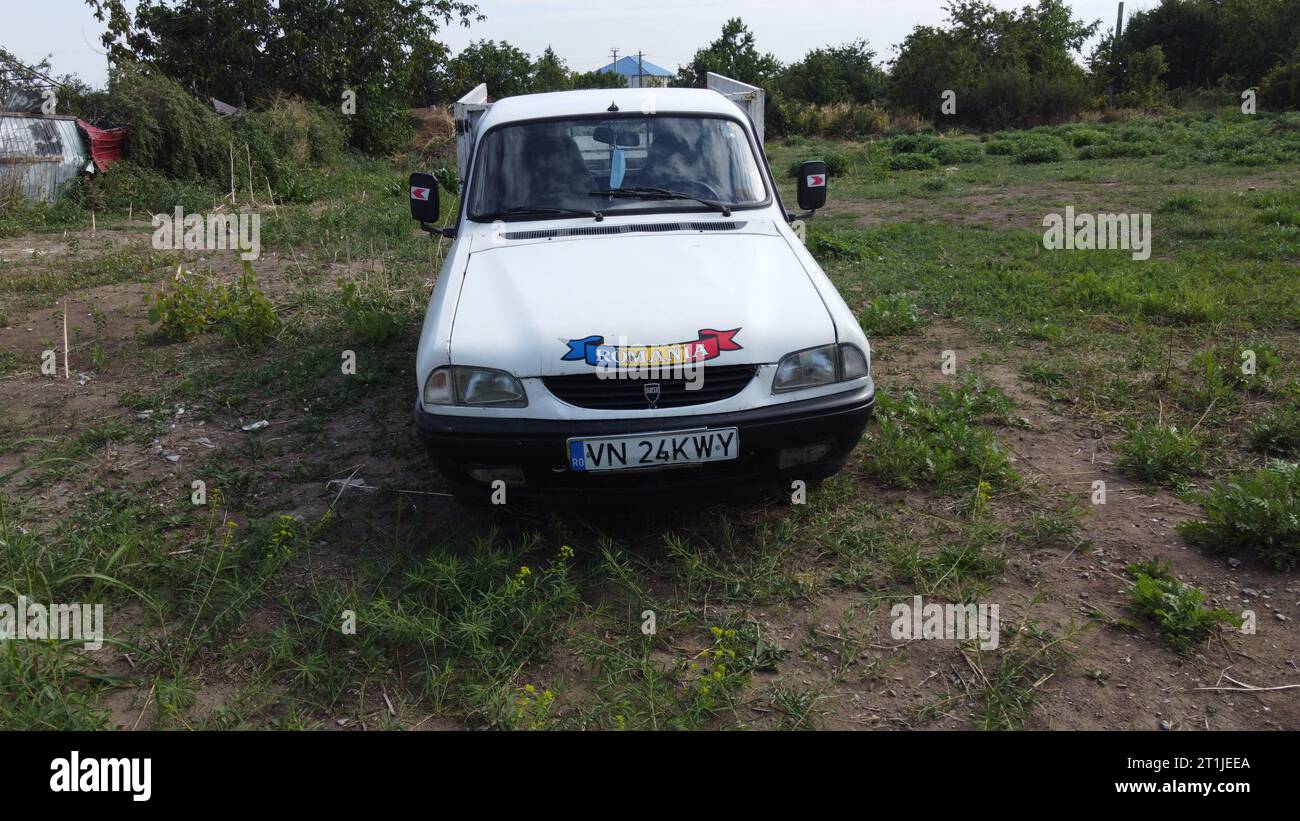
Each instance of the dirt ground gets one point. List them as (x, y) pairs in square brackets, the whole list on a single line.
[(1118, 679)]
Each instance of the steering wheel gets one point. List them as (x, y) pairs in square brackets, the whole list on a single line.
[(693, 187)]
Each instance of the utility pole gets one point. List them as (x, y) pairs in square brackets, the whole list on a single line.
[(640, 71), (1114, 52)]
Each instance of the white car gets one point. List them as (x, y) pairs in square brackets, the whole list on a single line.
[(625, 304)]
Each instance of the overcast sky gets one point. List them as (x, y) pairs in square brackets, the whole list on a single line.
[(582, 31)]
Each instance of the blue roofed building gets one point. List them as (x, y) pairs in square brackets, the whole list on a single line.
[(638, 72)]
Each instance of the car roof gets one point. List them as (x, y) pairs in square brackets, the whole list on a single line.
[(591, 102)]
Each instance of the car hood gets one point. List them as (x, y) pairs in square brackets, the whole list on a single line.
[(561, 306)]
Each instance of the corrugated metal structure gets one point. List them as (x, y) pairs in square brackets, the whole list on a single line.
[(40, 155)]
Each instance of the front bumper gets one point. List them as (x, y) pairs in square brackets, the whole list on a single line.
[(462, 444)]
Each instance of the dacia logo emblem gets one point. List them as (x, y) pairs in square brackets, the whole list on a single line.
[(651, 391)]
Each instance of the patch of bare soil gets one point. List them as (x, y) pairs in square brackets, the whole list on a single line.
[(1118, 679)]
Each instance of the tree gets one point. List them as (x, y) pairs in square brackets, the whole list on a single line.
[(1187, 31), (506, 70), (734, 55), (246, 50), (598, 79), (1211, 42), (550, 73), (836, 74), (1005, 67)]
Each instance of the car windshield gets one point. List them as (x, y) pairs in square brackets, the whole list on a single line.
[(558, 167)]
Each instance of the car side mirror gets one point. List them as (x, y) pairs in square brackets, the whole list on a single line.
[(812, 185), (423, 191)]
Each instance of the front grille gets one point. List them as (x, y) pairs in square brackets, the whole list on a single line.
[(588, 390)]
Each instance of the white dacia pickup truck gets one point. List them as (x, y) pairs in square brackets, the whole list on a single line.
[(626, 307)]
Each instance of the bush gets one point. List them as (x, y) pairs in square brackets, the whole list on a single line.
[(171, 132), (1040, 148), (1184, 203), (957, 152), (944, 151), (177, 137), (1079, 137), (1253, 367), (889, 316), (911, 162), (1278, 431), (1280, 88), (837, 164), (940, 444), (1000, 148), (128, 185), (1257, 513), (1114, 149), (372, 316), (1161, 454), (836, 246), (1175, 607), (194, 305)]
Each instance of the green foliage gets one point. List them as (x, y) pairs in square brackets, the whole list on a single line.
[(1159, 453), (175, 137), (1040, 148), (827, 246), (911, 162), (1276, 432), (835, 74), (1203, 42), (382, 50), (944, 151), (1252, 366), (507, 70), (193, 305), (1258, 513), (371, 314), (1280, 88), (733, 55), (127, 185), (549, 73), (1005, 67), (1183, 203), (1176, 608), (890, 316), (940, 444)]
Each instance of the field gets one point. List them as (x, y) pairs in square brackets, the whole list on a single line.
[(1013, 379)]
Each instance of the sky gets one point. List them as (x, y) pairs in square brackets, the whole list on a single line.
[(582, 32)]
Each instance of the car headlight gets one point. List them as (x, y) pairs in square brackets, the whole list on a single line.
[(462, 385), (819, 366)]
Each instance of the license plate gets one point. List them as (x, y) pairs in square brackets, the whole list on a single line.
[(652, 450)]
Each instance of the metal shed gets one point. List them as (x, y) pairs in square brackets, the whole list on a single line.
[(40, 155)]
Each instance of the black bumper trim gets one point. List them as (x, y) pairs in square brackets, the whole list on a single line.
[(460, 443)]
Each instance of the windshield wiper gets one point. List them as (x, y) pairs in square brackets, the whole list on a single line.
[(528, 211), (646, 193)]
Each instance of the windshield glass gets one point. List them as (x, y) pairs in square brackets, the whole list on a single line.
[(592, 164)]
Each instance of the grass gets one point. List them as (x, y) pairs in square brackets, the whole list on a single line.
[(1161, 454), (1256, 513), (1175, 608), (1276, 432), (940, 443), (262, 609)]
